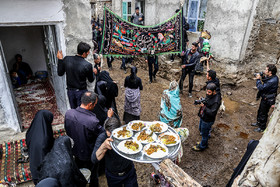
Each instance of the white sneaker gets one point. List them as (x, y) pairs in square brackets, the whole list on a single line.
[(190, 94)]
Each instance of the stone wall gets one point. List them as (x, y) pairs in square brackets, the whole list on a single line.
[(77, 24)]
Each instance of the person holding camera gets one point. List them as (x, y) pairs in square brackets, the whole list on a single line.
[(267, 86), (207, 113)]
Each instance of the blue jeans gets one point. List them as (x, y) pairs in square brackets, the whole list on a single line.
[(74, 97), (123, 63), (128, 180), (204, 128)]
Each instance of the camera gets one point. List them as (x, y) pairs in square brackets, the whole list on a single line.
[(261, 74), (201, 100)]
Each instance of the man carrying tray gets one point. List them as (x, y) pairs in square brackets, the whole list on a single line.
[(119, 171)]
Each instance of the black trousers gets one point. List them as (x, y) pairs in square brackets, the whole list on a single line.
[(191, 73), (152, 73), (263, 113), (109, 61), (93, 168)]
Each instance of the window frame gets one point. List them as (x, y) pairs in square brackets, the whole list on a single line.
[(197, 18), (127, 15)]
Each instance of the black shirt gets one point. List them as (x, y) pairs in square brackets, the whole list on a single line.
[(114, 163), (209, 111), (77, 71), (133, 84), (83, 127)]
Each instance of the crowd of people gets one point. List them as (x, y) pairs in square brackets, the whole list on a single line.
[(94, 115)]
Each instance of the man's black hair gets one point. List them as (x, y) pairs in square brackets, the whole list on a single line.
[(212, 74), (272, 68), (89, 97), (95, 56), (83, 48), (111, 124), (137, 8), (17, 56), (177, 10), (195, 44), (211, 86)]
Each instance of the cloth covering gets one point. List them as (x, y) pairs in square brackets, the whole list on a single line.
[(39, 140), (132, 101), (171, 108), (59, 164), (122, 38)]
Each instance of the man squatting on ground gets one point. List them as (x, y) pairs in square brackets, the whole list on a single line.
[(207, 113), (267, 87), (77, 70)]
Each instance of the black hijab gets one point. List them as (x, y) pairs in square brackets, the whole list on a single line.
[(39, 140), (59, 164), (132, 77)]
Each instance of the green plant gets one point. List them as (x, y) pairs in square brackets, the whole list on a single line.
[(200, 24)]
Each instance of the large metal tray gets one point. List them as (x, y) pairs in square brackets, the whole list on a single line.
[(141, 157)]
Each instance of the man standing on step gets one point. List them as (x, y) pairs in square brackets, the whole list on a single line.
[(191, 58), (77, 70), (267, 86)]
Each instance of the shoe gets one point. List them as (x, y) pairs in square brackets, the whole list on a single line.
[(255, 124), (155, 178), (190, 94), (150, 82), (258, 130), (197, 148), (154, 77), (125, 71), (197, 143)]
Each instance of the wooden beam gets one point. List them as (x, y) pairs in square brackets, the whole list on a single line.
[(176, 176)]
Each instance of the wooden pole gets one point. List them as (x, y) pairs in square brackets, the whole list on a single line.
[(176, 176)]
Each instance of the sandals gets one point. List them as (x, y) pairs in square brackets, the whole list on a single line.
[(197, 148)]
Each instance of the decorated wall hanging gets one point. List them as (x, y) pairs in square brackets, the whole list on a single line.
[(122, 38)]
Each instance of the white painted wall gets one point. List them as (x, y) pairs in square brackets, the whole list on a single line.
[(30, 11), (27, 41)]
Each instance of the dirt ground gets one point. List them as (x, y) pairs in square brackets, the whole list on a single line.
[(229, 137)]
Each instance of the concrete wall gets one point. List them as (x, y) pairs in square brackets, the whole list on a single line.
[(157, 11), (30, 11), (227, 23), (77, 24), (27, 41)]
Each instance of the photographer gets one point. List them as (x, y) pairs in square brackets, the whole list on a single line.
[(267, 91), (207, 113)]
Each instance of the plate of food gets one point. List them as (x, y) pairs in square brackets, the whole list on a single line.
[(155, 150), (136, 125), (169, 138), (158, 127), (130, 146), (146, 136), (122, 133)]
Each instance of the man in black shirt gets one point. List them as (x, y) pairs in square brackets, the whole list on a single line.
[(152, 61), (207, 113), (211, 78), (23, 69), (83, 126), (119, 171), (267, 91), (191, 58), (77, 70)]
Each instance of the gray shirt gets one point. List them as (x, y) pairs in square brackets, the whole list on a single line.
[(135, 19)]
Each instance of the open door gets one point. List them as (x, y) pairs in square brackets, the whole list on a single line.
[(52, 46), (8, 99)]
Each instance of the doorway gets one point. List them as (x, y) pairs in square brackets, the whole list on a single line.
[(38, 46)]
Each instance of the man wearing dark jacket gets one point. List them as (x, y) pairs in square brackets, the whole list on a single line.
[(211, 78), (77, 70), (191, 58), (207, 113), (268, 92), (152, 60), (82, 125)]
